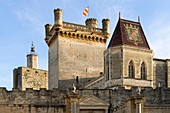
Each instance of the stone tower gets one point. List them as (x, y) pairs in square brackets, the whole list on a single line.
[(30, 76), (32, 58), (75, 51), (128, 58)]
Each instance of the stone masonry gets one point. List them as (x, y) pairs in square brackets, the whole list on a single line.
[(25, 77), (83, 77), (75, 50)]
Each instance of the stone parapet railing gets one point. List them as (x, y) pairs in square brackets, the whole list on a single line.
[(81, 27)]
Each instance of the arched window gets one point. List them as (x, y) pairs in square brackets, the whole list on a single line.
[(143, 71), (131, 70)]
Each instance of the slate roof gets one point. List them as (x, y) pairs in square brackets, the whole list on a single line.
[(128, 33)]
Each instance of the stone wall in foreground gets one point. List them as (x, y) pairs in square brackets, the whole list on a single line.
[(32, 101), (59, 101)]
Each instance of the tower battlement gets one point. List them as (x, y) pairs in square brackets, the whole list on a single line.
[(89, 31), (78, 31), (92, 22)]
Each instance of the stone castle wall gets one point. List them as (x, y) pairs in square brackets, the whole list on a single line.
[(160, 73), (52, 66), (113, 66), (83, 59), (53, 101), (31, 101), (121, 99)]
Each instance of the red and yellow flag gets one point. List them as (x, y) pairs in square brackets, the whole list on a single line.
[(86, 11)]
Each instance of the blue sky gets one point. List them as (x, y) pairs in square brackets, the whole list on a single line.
[(22, 21)]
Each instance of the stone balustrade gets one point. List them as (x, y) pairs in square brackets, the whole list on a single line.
[(81, 27)]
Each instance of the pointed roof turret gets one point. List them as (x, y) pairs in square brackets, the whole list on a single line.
[(32, 47), (32, 51), (32, 58), (128, 33)]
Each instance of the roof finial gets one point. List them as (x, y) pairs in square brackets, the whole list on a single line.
[(119, 15), (32, 47), (139, 19)]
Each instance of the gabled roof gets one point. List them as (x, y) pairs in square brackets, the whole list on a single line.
[(128, 33), (92, 101)]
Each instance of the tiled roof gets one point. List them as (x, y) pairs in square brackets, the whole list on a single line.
[(128, 33)]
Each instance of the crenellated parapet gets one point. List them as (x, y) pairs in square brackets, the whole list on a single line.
[(77, 31), (86, 28), (89, 32), (118, 97), (32, 97)]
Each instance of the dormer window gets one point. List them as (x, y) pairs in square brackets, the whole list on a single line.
[(131, 70), (143, 71)]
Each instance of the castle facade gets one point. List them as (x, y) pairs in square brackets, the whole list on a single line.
[(84, 77)]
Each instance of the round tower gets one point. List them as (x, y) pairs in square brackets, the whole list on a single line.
[(106, 26), (32, 58), (58, 17), (92, 22), (47, 30)]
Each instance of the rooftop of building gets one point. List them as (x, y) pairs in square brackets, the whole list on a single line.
[(128, 33)]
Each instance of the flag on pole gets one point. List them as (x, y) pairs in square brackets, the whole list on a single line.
[(86, 11)]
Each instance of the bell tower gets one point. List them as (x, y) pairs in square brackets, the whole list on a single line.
[(32, 58)]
